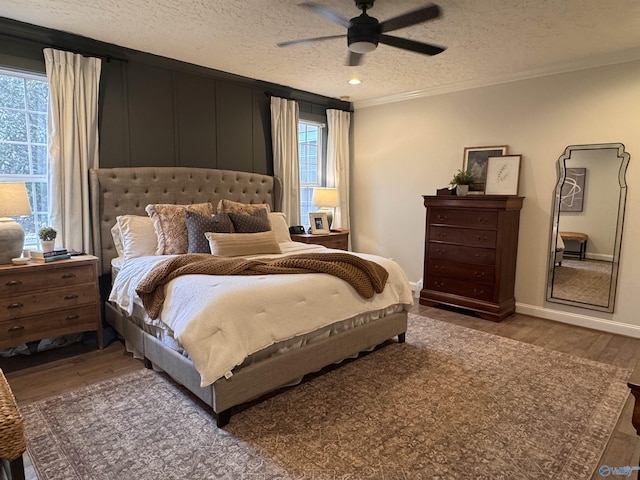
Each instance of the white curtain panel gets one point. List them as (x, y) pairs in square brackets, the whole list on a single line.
[(73, 143), (284, 133), (338, 122)]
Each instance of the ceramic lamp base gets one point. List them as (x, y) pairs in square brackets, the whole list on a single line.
[(11, 240)]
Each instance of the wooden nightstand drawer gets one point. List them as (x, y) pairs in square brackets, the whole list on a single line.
[(62, 322), (22, 305), (337, 240), (37, 277)]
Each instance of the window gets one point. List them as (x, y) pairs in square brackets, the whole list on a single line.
[(24, 101), (312, 165)]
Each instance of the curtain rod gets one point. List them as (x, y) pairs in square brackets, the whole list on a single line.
[(107, 58)]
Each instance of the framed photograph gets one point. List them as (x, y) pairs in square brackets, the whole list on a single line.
[(572, 193), (503, 175), (319, 223), (475, 160)]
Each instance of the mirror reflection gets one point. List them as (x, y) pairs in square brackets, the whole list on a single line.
[(586, 231)]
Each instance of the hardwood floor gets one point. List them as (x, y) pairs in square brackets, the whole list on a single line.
[(50, 373)]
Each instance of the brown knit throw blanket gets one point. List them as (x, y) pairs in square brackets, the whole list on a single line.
[(365, 276)]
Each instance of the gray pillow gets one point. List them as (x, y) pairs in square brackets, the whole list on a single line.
[(198, 224), (255, 222)]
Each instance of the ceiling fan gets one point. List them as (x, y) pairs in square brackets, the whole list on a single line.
[(364, 32)]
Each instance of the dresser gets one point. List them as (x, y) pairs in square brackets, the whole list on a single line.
[(338, 239), (48, 300), (470, 251)]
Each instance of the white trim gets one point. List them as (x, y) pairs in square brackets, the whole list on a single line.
[(609, 59), (580, 320)]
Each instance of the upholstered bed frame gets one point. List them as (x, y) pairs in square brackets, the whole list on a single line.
[(120, 191)]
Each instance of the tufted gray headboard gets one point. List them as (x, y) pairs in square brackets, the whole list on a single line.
[(120, 191)]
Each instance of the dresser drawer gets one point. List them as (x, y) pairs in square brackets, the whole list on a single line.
[(18, 306), (461, 254), (479, 291), (61, 322), (464, 236), (464, 218), (461, 271), (35, 277)]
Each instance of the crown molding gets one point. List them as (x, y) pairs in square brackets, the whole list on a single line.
[(626, 56)]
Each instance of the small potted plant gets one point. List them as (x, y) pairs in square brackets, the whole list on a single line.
[(47, 238), (461, 181)]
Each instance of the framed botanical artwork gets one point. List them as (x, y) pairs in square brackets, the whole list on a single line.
[(503, 175), (475, 160), (319, 222), (572, 193)]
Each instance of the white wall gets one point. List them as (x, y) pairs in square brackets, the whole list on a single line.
[(407, 149)]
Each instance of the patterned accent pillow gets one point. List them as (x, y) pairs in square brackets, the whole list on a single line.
[(242, 244), (198, 224), (171, 226), (255, 222), (225, 205)]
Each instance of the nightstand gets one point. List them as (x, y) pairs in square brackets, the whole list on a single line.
[(48, 300), (338, 239)]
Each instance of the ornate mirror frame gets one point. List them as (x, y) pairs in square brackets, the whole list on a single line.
[(561, 171)]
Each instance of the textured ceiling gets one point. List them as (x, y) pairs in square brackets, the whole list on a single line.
[(489, 41)]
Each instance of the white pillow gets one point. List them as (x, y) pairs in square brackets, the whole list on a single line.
[(117, 239), (138, 236), (278, 221)]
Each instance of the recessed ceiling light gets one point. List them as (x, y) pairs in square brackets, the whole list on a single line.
[(355, 81)]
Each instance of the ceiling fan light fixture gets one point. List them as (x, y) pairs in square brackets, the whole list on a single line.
[(362, 47)]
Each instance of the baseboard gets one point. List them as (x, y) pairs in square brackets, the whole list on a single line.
[(586, 321), (416, 287)]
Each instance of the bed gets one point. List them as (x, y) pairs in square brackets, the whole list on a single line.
[(127, 191)]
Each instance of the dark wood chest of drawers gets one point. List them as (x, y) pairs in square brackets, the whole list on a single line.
[(470, 253), (48, 300)]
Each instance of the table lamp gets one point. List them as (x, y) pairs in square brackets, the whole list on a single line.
[(326, 199), (14, 202)]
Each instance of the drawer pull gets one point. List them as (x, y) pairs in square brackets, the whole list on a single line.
[(71, 296), (478, 292), (482, 238), (479, 274), (69, 275), (442, 235), (72, 317), (442, 218), (439, 284), (13, 283), (483, 220), (16, 328), (15, 305), (439, 251)]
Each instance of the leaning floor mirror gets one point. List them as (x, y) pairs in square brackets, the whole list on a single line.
[(586, 230)]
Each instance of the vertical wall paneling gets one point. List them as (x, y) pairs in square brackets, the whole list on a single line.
[(262, 150), (113, 118), (234, 107), (151, 121), (195, 120)]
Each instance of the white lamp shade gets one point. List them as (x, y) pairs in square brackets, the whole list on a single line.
[(14, 201), (325, 197)]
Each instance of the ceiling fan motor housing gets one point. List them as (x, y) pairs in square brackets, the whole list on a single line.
[(363, 33)]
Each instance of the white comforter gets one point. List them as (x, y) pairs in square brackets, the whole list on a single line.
[(220, 320)]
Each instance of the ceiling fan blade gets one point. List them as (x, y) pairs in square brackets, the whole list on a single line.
[(354, 59), (423, 14), (327, 13), (308, 40), (412, 45)]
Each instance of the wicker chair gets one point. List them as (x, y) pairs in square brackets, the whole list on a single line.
[(12, 443)]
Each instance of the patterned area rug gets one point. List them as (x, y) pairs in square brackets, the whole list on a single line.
[(450, 403)]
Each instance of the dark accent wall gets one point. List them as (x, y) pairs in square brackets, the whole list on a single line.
[(156, 111)]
